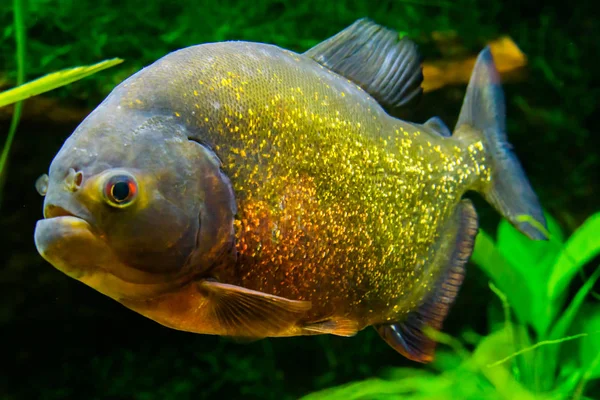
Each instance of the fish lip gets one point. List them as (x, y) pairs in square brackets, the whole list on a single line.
[(60, 221), (72, 245), (52, 211), (50, 235), (64, 219)]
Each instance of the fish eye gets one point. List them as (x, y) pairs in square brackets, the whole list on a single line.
[(120, 190)]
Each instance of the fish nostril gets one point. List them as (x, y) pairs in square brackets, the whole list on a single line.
[(74, 180), (78, 179)]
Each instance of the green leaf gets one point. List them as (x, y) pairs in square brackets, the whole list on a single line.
[(446, 361), (521, 368), (507, 278), (549, 355), (568, 385), (463, 382), (590, 345), (581, 247), (53, 81), (534, 260), (524, 368), (530, 256), (566, 320), (378, 389), (492, 348)]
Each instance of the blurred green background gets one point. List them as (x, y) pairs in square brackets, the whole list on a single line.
[(62, 340)]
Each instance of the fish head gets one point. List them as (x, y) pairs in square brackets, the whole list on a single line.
[(132, 205)]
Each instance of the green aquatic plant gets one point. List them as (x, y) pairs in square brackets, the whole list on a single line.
[(41, 85), (20, 57), (543, 342), (38, 86), (53, 81), (536, 277)]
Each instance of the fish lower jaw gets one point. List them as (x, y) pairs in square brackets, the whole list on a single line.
[(62, 239), (71, 245), (55, 233)]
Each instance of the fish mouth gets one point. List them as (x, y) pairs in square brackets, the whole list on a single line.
[(62, 238), (52, 211), (74, 246)]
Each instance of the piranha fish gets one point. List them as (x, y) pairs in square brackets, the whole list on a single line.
[(244, 190)]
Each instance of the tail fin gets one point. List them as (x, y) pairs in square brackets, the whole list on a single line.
[(483, 110)]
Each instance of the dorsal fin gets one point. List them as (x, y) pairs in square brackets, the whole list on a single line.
[(376, 59)]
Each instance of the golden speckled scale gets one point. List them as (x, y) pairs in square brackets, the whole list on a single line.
[(338, 203)]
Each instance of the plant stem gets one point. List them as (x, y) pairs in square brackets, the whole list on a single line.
[(20, 41)]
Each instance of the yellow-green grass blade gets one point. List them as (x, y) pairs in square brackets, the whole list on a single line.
[(53, 81)]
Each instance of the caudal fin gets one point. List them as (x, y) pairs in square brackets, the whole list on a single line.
[(483, 110)]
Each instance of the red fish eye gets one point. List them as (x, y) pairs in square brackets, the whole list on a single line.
[(120, 190)]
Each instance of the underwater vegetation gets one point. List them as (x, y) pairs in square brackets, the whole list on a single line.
[(531, 334), (540, 345), (39, 86)]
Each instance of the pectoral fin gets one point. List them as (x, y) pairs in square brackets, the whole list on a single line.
[(247, 313)]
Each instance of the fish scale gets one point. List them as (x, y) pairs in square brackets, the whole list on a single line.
[(324, 188)]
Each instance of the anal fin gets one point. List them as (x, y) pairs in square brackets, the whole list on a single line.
[(452, 252), (242, 312), (334, 326)]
